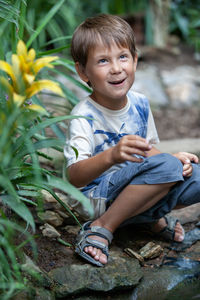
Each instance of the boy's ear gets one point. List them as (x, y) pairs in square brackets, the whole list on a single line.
[(81, 72)]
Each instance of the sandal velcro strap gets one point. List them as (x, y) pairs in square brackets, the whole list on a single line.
[(83, 240), (101, 231)]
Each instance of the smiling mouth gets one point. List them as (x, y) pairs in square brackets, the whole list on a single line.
[(117, 82)]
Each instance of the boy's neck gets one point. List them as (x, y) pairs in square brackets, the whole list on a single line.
[(112, 105)]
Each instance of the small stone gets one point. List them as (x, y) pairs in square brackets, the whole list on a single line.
[(72, 229), (150, 250), (48, 197), (51, 217), (49, 231), (134, 254)]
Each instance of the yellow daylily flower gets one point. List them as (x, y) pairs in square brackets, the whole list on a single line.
[(31, 54), (22, 71), (18, 99), (6, 85), (43, 62), (4, 66), (21, 49), (29, 78), (40, 85)]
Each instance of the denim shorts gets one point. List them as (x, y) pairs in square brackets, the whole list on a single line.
[(158, 169)]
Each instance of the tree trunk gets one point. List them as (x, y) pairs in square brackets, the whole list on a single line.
[(158, 22)]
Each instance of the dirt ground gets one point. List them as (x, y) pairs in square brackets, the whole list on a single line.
[(177, 123), (171, 124)]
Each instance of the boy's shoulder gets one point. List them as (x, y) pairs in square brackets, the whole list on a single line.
[(136, 96), (81, 107)]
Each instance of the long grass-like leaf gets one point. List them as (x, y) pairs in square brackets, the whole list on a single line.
[(74, 80), (45, 21), (66, 63), (19, 208), (71, 190), (49, 122), (53, 51), (46, 143), (50, 190), (22, 19), (58, 39)]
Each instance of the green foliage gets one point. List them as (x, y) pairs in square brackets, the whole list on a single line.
[(22, 131), (185, 20), (12, 277)]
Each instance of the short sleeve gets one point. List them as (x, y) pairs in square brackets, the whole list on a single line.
[(152, 134), (79, 136)]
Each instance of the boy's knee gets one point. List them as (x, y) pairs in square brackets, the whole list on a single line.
[(170, 163)]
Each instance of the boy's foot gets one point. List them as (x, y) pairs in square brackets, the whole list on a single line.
[(92, 243), (171, 226), (96, 253)]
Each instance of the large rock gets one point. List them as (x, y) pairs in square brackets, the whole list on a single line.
[(120, 273), (148, 82), (182, 85)]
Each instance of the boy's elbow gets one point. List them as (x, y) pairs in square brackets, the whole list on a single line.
[(72, 177)]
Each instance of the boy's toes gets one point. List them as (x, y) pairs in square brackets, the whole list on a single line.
[(179, 233), (96, 254), (101, 257), (91, 250)]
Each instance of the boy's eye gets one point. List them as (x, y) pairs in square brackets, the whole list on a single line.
[(102, 61), (123, 56)]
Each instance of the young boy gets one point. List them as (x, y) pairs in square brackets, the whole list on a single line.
[(126, 178)]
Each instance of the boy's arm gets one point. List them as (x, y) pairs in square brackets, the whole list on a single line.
[(83, 172), (153, 151)]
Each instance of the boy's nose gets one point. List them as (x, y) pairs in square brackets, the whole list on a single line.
[(116, 67)]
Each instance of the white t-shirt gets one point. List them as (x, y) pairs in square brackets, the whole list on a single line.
[(104, 127)]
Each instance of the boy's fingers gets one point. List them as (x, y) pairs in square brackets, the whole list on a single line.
[(187, 170), (189, 157), (186, 167), (132, 150), (138, 144), (134, 158)]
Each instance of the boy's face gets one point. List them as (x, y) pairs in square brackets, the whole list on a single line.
[(111, 73)]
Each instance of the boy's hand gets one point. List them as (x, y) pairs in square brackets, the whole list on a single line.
[(127, 146), (186, 159)]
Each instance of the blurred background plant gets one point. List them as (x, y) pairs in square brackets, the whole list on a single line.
[(185, 21)]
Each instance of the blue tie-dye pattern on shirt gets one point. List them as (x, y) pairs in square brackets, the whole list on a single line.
[(90, 121), (112, 138), (137, 117)]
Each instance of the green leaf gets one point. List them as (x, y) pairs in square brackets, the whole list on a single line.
[(71, 190), (75, 150), (46, 143), (61, 38), (37, 128), (49, 122), (182, 23), (19, 208), (52, 51), (45, 21), (74, 80)]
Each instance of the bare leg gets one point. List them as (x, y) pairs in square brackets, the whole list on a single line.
[(133, 200)]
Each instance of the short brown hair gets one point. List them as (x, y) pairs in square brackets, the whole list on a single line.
[(105, 28)]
